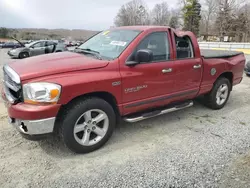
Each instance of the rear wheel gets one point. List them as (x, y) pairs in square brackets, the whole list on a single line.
[(23, 55), (219, 95), (87, 125)]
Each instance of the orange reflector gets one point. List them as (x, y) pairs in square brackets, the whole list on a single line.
[(30, 102), (54, 93), (38, 103)]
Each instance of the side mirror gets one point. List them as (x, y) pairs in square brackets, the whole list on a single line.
[(144, 56), (141, 56)]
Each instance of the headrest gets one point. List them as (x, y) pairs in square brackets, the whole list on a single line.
[(183, 44)]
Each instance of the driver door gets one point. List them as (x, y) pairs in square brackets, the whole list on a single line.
[(38, 48), (149, 84)]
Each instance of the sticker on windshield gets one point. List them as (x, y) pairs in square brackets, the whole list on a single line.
[(105, 32), (118, 43)]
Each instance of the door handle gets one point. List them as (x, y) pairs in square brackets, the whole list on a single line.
[(164, 71), (197, 66)]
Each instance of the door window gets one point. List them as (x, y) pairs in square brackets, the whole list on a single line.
[(184, 48), (39, 45), (158, 43)]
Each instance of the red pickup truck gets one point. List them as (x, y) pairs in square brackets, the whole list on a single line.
[(133, 73)]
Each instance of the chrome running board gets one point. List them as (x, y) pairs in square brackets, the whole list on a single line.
[(158, 112)]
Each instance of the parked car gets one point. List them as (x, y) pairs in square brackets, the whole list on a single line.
[(10, 45), (78, 43), (247, 68), (70, 44), (36, 48), (141, 72)]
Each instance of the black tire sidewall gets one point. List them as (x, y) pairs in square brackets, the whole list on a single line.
[(211, 98), (74, 113), (21, 55)]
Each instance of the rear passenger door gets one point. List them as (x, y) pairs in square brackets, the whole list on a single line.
[(188, 68)]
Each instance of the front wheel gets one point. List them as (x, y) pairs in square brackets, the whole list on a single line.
[(23, 55), (219, 95), (87, 125)]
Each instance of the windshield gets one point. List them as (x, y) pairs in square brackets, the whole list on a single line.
[(110, 44), (30, 44)]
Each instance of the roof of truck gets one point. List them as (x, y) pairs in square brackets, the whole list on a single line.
[(141, 27)]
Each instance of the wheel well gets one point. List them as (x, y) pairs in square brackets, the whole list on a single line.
[(23, 53), (108, 97), (228, 75)]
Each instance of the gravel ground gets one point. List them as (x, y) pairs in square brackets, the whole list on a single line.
[(195, 147)]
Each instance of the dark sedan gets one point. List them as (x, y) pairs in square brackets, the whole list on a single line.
[(10, 45)]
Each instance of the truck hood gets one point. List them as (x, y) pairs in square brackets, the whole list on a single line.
[(55, 63)]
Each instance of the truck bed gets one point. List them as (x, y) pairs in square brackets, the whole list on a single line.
[(208, 54)]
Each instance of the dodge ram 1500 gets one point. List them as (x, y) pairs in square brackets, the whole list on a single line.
[(130, 73)]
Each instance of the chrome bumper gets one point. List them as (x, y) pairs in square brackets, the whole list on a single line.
[(34, 127)]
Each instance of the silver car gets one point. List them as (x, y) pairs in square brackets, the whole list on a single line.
[(36, 48)]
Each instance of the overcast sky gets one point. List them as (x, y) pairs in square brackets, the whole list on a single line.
[(70, 14)]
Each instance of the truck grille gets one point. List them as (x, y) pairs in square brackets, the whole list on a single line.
[(11, 88)]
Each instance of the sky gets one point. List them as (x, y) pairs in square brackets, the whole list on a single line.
[(68, 14)]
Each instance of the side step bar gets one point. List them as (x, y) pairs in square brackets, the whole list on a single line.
[(158, 112)]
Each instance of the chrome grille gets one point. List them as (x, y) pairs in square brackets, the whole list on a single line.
[(11, 88)]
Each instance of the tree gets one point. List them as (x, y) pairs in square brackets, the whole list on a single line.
[(240, 24), (209, 11), (174, 19), (4, 32), (160, 14), (174, 22), (133, 13), (224, 17), (192, 15)]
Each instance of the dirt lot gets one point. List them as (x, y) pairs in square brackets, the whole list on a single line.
[(196, 147)]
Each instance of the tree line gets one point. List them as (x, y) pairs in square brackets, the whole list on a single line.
[(205, 18), (10, 33)]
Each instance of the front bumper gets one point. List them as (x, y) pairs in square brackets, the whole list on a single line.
[(34, 127), (32, 119), (12, 55)]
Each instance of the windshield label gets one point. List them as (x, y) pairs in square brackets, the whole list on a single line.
[(118, 43), (105, 32)]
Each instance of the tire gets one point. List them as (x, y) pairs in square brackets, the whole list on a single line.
[(23, 55), (78, 123), (211, 99)]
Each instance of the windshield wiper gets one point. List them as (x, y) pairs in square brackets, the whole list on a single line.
[(90, 51)]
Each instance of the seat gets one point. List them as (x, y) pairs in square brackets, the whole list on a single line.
[(183, 50)]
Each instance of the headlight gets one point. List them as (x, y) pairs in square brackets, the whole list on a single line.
[(41, 93), (13, 51)]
